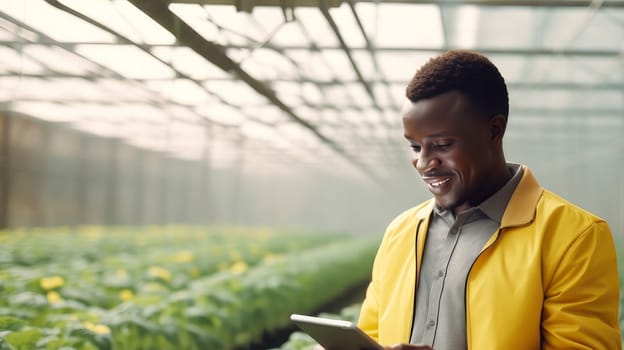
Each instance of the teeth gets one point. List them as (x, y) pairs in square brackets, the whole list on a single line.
[(436, 184)]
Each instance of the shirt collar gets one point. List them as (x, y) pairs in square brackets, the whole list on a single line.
[(494, 207)]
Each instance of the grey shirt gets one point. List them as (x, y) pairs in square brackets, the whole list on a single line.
[(451, 247)]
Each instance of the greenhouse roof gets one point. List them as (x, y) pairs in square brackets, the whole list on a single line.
[(319, 83)]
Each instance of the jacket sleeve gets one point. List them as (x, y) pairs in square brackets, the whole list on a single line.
[(581, 300), (368, 320)]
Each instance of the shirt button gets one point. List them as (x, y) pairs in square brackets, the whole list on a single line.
[(440, 273), (430, 324)]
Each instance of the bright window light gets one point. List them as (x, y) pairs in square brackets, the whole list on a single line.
[(125, 19), (129, 61), (466, 26), (403, 25), (60, 60), (189, 62), (316, 26), (181, 91), (49, 111), (53, 22), (197, 17), (17, 62), (347, 25), (222, 114)]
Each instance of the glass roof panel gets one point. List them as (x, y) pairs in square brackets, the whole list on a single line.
[(584, 29), (573, 70), (339, 64), (234, 92), (239, 23), (16, 62), (566, 99), (465, 27), (59, 60), (288, 92), (315, 25), (554, 81), (126, 89), (49, 111), (311, 65), (392, 25), (347, 25), (222, 114), (267, 113), (365, 64), (189, 62), (525, 23), (54, 89), (400, 66), (195, 16), (55, 23), (277, 31), (123, 18), (311, 93), (269, 64), (182, 91), (136, 64)]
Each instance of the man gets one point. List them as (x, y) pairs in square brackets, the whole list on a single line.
[(493, 261)]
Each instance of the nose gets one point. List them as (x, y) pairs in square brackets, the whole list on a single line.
[(425, 161)]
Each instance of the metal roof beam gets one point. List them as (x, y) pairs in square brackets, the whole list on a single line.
[(513, 3), (159, 11), (540, 85), (248, 5), (343, 45), (484, 50)]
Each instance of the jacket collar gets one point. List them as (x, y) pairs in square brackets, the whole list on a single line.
[(520, 209), (523, 202)]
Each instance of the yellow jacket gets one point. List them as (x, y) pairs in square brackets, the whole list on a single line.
[(546, 279)]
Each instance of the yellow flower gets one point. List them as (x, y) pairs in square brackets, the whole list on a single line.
[(235, 255), (157, 271), (195, 272), (222, 266), (183, 256), (126, 295), (238, 267), (52, 282), (122, 273), (97, 328), (53, 297), (272, 257)]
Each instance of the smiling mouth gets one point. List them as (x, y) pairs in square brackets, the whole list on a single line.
[(436, 184), (439, 183)]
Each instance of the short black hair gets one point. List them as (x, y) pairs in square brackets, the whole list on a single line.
[(467, 71)]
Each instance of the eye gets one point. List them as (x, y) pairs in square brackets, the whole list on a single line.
[(415, 148), (443, 146)]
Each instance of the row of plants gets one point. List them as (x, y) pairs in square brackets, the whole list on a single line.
[(166, 289), (105, 266)]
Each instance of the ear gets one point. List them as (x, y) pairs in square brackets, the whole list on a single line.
[(497, 125)]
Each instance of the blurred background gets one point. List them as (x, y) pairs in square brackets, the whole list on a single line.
[(284, 113), (268, 113)]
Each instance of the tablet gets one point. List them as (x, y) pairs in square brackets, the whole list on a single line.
[(335, 334)]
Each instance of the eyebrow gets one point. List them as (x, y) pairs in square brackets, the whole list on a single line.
[(434, 136)]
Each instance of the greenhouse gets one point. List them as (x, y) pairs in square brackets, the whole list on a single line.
[(186, 174)]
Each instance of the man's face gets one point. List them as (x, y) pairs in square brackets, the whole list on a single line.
[(453, 149)]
